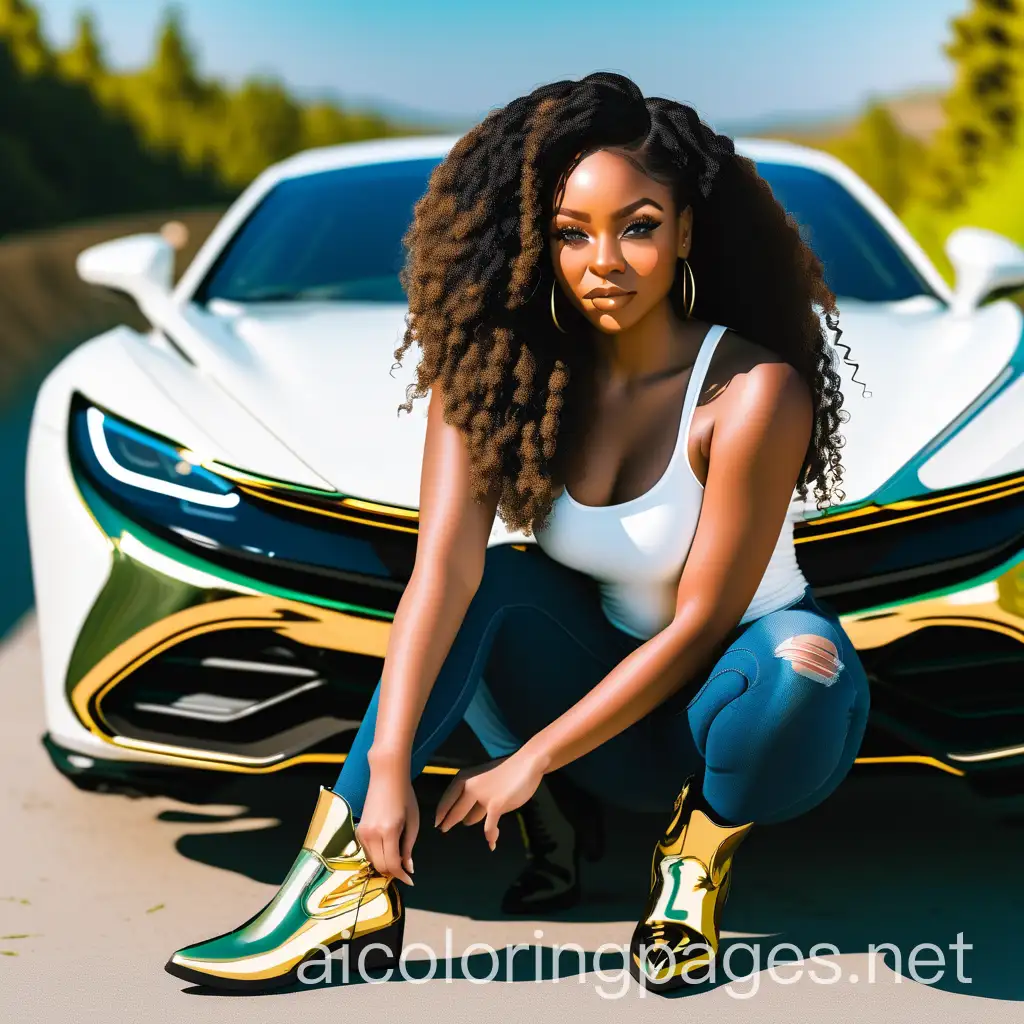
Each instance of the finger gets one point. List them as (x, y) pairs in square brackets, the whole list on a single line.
[(491, 827), (458, 811), (375, 851), (392, 857), (368, 840), (478, 813), (409, 834), (448, 798)]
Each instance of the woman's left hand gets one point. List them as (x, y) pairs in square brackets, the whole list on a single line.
[(487, 792)]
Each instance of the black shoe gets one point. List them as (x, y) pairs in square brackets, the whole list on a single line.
[(559, 824)]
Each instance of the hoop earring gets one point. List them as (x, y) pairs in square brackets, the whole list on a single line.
[(553, 316), (688, 271)]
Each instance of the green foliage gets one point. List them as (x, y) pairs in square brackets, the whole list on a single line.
[(65, 157), (79, 140), (972, 170), (83, 60), (984, 106), (19, 28), (995, 205), (880, 152), (172, 75), (261, 124)]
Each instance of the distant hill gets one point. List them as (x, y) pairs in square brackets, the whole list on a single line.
[(917, 113), (399, 115)]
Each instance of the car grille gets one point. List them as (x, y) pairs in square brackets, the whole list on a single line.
[(255, 694)]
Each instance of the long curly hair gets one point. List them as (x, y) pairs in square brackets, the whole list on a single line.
[(478, 276)]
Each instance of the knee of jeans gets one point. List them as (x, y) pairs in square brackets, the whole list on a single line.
[(783, 740), (811, 655)]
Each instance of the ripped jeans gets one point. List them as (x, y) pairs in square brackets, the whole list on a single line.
[(771, 736)]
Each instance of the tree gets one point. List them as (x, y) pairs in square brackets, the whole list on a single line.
[(263, 124), (984, 106), (83, 59), (173, 71), (78, 139), (885, 156), (19, 28)]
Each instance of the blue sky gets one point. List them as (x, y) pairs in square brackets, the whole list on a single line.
[(735, 60)]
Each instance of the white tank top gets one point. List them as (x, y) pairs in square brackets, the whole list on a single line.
[(636, 549)]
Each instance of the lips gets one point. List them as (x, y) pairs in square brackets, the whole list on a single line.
[(609, 300)]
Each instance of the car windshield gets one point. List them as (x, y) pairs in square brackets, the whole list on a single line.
[(333, 235), (860, 258), (337, 235)]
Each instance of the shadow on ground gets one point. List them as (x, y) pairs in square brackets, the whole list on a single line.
[(897, 859)]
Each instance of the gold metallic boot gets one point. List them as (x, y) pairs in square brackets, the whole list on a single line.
[(331, 897), (677, 936)]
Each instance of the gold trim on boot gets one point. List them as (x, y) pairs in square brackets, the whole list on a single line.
[(331, 897), (678, 933)]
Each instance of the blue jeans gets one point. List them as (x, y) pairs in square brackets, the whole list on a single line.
[(771, 743)]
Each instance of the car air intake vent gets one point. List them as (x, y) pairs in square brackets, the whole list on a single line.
[(244, 691), (958, 688)]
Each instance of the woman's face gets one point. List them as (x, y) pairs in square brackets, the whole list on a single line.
[(615, 239)]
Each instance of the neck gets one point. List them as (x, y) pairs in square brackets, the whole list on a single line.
[(659, 343)]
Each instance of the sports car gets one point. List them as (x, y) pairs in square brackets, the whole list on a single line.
[(223, 508)]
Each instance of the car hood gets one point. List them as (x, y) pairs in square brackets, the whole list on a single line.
[(320, 376)]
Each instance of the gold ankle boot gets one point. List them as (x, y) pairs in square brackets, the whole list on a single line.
[(677, 936), (331, 897)]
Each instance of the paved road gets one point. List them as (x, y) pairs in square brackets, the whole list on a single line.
[(96, 890)]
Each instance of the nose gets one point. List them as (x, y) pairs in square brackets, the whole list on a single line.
[(607, 255)]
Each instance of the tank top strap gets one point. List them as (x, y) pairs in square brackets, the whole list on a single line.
[(695, 384)]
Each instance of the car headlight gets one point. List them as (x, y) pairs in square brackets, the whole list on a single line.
[(134, 480), (138, 459)]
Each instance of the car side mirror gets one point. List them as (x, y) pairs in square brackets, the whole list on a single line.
[(984, 262), (142, 266)]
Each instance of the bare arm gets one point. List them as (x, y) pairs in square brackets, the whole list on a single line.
[(756, 452), (450, 551)]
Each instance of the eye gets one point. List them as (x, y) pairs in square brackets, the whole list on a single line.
[(570, 234), (643, 226)]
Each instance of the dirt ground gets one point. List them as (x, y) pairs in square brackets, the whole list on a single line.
[(96, 890)]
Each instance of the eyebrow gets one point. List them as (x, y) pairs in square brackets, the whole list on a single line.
[(617, 215)]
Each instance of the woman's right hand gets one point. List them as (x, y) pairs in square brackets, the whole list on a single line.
[(390, 821)]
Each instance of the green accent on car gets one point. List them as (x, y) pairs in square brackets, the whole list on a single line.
[(274, 482), (136, 595), (115, 524)]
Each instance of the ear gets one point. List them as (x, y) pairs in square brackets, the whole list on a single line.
[(685, 232)]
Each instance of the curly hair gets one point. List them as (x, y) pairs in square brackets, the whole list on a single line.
[(478, 278)]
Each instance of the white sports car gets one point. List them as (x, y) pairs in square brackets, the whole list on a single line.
[(222, 511)]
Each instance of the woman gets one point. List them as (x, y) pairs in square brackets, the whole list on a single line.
[(619, 329)]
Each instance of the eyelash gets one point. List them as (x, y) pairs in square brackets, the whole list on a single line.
[(645, 221)]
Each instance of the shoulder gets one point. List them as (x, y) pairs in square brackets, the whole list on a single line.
[(765, 393), (761, 374)]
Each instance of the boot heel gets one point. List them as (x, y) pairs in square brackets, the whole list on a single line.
[(391, 937)]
